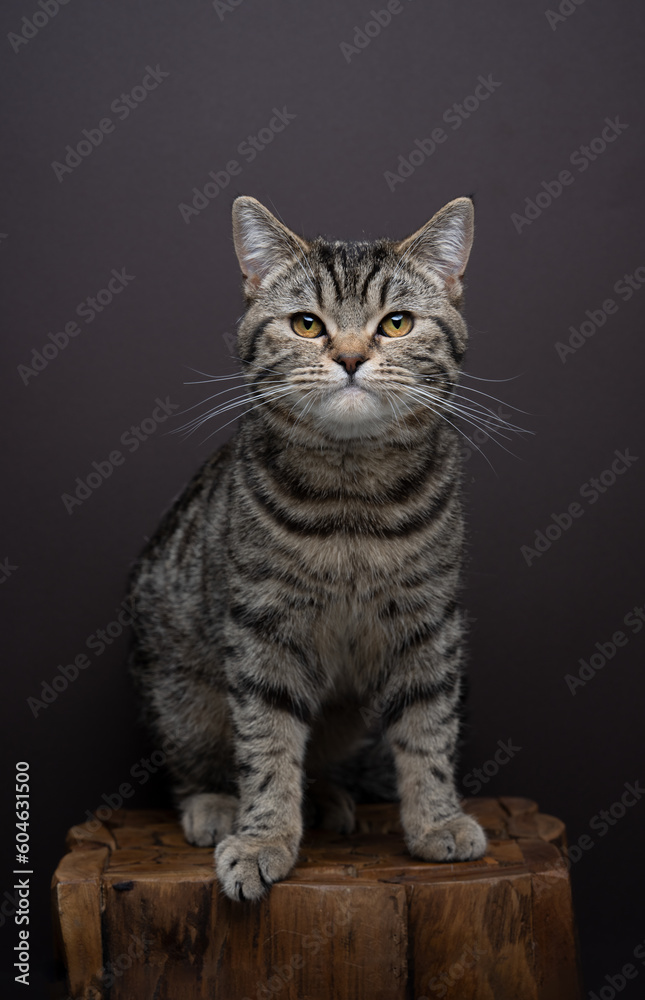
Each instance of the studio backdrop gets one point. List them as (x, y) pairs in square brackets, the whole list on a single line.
[(128, 131)]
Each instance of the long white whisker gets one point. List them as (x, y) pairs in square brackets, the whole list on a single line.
[(472, 417), (237, 417), (263, 368), (458, 430), (481, 407), (480, 379), (196, 422), (476, 409), (208, 376), (473, 423), (223, 391), (218, 378), (304, 412), (472, 406), (393, 394), (485, 414), (217, 429), (435, 378)]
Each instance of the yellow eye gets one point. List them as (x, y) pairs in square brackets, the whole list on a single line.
[(306, 325), (396, 324)]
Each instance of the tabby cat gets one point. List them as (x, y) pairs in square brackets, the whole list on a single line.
[(306, 580)]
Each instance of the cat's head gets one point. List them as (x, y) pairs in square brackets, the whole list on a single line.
[(352, 339)]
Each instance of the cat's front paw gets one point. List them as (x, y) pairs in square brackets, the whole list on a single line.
[(248, 866), (458, 839), (207, 817)]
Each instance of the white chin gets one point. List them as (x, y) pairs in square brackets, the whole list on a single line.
[(352, 413)]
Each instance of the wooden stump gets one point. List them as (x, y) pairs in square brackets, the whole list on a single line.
[(138, 914)]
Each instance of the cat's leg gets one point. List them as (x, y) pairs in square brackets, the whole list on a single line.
[(271, 731), (420, 715), (191, 719)]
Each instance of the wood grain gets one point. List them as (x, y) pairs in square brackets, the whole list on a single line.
[(139, 914)]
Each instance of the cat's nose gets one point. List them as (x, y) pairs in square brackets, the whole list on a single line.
[(350, 362)]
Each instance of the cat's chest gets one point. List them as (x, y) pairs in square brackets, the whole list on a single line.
[(349, 640), (354, 569)]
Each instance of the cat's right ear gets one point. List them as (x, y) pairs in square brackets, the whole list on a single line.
[(443, 245), (262, 243)]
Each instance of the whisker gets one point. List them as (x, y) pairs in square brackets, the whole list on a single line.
[(458, 430), (196, 422), (302, 415), (484, 412), (208, 416), (478, 425), (480, 379), (210, 378), (479, 392), (219, 378), (458, 409), (275, 371), (285, 391), (230, 389), (473, 406), (388, 394), (394, 413)]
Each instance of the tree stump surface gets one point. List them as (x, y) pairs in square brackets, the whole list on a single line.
[(139, 915)]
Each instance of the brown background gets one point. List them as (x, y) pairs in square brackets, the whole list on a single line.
[(324, 173)]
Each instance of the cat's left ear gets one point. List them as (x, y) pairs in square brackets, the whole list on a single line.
[(262, 243), (444, 243)]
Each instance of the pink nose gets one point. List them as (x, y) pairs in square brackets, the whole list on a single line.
[(350, 362)]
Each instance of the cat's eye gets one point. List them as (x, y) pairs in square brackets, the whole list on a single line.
[(396, 324), (306, 325)]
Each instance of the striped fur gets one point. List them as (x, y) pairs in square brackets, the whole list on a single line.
[(307, 580)]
